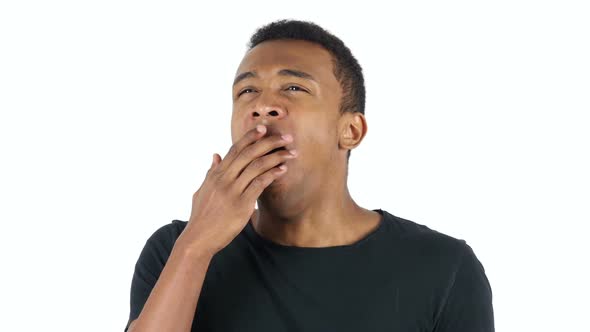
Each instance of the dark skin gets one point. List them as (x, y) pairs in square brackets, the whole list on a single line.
[(310, 205)]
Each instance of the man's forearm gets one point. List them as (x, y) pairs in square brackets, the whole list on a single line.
[(173, 301)]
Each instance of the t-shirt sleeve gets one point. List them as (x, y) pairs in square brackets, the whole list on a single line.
[(468, 305), (148, 267)]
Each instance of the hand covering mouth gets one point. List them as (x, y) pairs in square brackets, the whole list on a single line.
[(278, 132), (275, 150)]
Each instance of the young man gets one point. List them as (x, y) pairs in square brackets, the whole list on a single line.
[(310, 259)]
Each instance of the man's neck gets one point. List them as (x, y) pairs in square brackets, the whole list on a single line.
[(323, 224)]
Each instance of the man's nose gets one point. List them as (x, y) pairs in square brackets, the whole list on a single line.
[(267, 107), (269, 111)]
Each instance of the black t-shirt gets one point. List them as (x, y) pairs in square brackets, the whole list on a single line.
[(403, 276)]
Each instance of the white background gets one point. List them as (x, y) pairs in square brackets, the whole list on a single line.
[(111, 110)]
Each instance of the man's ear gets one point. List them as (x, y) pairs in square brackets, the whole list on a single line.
[(352, 129)]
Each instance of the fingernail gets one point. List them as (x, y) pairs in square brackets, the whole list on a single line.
[(260, 128), (293, 152), (286, 137)]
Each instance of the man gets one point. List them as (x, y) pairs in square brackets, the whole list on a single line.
[(310, 258)]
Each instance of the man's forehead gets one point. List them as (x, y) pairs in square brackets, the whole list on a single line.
[(273, 56)]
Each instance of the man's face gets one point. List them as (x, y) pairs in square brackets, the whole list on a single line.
[(305, 107)]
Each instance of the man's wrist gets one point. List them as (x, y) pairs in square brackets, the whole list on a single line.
[(193, 250)]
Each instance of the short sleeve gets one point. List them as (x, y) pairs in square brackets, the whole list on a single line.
[(148, 267), (468, 305)]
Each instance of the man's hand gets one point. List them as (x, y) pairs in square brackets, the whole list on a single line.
[(225, 201)]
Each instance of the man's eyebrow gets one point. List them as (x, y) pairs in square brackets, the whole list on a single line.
[(297, 73), (282, 72), (244, 76)]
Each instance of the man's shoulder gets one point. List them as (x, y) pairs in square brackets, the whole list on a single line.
[(425, 241), (168, 233)]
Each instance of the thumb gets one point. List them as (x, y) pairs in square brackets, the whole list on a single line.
[(215, 161)]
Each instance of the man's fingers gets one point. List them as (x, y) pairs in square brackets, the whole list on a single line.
[(259, 166), (234, 151), (259, 183), (252, 153)]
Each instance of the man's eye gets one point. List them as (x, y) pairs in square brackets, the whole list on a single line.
[(289, 88), (243, 91), (296, 88)]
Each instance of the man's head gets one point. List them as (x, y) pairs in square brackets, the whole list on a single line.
[(299, 79)]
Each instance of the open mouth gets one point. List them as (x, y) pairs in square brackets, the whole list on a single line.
[(274, 150)]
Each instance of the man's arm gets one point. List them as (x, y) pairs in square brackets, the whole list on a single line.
[(167, 301), (172, 303), (468, 305)]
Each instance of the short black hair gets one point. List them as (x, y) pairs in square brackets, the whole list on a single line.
[(346, 68)]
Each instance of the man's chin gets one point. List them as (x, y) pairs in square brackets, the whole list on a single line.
[(282, 189)]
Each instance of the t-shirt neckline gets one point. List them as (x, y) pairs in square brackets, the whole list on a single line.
[(269, 243)]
